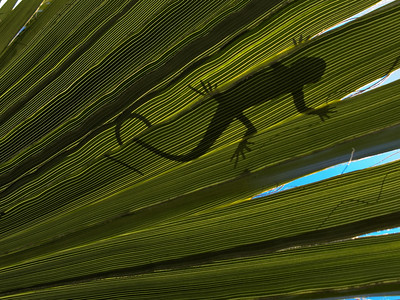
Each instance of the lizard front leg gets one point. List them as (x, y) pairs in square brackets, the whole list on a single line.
[(298, 97), (244, 143), (207, 88)]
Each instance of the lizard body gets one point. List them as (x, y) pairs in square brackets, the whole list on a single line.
[(269, 84)]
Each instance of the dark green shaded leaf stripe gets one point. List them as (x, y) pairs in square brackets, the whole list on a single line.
[(15, 103)]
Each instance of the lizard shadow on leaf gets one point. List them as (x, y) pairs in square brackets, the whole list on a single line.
[(262, 86), (257, 88)]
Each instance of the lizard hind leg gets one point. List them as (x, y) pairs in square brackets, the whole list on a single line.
[(240, 150), (244, 143)]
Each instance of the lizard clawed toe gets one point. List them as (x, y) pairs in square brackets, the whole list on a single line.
[(207, 88), (322, 112), (240, 150), (301, 40)]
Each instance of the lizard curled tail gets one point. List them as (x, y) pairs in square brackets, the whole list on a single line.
[(218, 124)]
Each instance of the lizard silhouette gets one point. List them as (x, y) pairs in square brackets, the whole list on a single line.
[(255, 89)]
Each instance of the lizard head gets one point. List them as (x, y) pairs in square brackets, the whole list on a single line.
[(309, 69)]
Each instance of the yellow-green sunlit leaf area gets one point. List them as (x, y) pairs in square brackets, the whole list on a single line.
[(135, 134)]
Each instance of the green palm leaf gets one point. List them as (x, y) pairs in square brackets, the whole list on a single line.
[(86, 214)]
